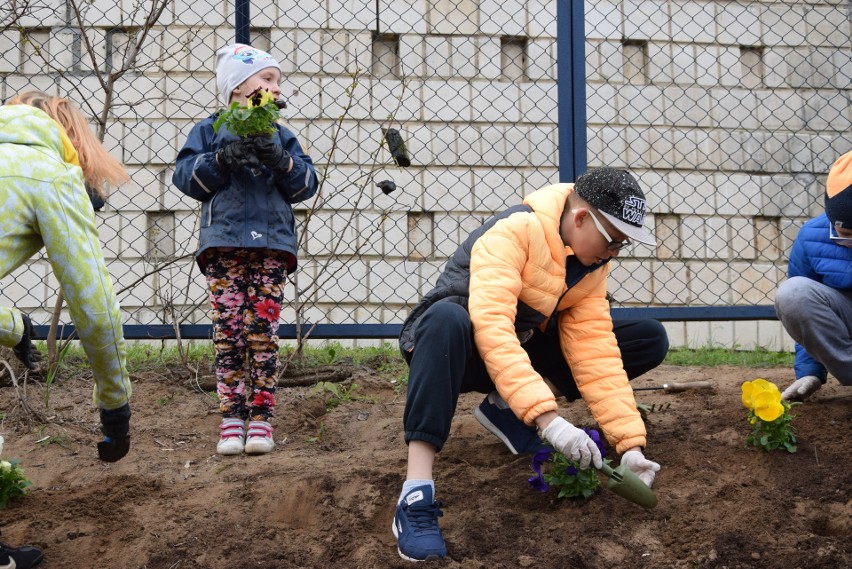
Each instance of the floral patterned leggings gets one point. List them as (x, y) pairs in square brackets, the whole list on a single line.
[(245, 287)]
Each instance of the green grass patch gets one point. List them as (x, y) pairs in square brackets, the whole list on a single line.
[(709, 357), (384, 359)]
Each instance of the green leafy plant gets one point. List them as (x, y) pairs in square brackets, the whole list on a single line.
[(769, 416), (13, 481), (52, 371), (44, 440), (399, 384), (338, 393), (554, 469), (319, 435), (166, 399), (257, 119)]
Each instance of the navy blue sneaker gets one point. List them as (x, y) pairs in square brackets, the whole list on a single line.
[(494, 414), (19, 557), (415, 526)]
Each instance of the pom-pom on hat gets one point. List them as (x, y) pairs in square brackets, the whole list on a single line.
[(237, 62), (617, 196), (838, 193)]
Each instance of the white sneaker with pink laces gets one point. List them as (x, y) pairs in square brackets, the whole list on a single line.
[(232, 436), (259, 439)]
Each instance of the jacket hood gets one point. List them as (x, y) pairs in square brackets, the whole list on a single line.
[(548, 203), (29, 126)]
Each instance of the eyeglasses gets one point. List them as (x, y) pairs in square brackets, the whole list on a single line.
[(613, 245), (837, 239)]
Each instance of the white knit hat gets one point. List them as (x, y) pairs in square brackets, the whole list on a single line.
[(237, 62)]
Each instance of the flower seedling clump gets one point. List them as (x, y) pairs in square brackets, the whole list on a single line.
[(769, 416), (13, 482), (257, 119), (554, 469)]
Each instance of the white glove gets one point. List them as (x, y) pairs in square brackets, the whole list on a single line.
[(802, 388), (645, 469), (573, 442)]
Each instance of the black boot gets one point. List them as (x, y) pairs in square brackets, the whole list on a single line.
[(25, 350)]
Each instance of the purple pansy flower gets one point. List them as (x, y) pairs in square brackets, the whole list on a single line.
[(537, 481), (595, 436)]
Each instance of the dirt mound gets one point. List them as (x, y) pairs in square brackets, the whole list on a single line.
[(325, 496)]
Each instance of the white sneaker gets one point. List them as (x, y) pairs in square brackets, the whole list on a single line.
[(259, 439), (232, 436)]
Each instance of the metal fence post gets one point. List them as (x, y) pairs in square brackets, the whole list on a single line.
[(571, 86), (242, 21)]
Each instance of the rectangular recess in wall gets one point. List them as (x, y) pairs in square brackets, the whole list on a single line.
[(513, 58), (751, 66), (421, 244), (767, 238), (161, 235), (635, 58), (385, 56)]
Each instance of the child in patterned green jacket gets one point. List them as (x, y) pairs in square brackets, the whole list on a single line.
[(48, 155)]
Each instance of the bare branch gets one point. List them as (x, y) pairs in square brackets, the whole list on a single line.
[(14, 11), (325, 274), (30, 415), (156, 270)]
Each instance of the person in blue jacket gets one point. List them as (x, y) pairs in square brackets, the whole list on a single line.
[(815, 303), (247, 244)]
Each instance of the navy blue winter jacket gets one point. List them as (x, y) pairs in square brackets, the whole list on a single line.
[(814, 256), (250, 206)]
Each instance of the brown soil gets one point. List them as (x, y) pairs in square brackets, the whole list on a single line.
[(324, 497)]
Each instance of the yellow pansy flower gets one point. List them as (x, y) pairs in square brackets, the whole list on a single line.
[(259, 98), (747, 388), (751, 389), (767, 405)]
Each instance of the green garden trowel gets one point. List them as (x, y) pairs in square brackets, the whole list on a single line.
[(626, 484)]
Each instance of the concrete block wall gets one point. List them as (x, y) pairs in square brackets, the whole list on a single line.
[(731, 120), (729, 114)]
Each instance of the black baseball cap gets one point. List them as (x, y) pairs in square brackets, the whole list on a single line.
[(617, 196)]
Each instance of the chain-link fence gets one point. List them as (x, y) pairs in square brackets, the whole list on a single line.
[(728, 113), (731, 114)]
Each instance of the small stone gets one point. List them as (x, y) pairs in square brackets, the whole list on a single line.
[(755, 555)]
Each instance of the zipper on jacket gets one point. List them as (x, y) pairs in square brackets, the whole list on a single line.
[(210, 211)]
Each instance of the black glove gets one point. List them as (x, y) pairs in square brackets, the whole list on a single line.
[(269, 153), (25, 350), (236, 154), (115, 425)]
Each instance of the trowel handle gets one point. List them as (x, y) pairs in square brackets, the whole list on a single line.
[(675, 386), (610, 473)]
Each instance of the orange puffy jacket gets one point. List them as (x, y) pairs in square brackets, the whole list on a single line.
[(522, 259)]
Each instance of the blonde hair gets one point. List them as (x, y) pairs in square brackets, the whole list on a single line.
[(99, 167)]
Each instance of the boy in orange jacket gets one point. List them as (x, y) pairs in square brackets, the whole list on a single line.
[(520, 312)]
